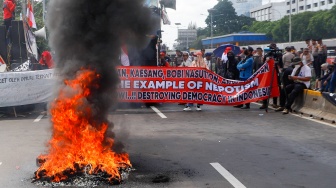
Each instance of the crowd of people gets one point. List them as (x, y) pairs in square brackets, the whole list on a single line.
[(295, 69)]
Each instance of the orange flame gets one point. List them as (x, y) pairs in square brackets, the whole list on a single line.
[(76, 141)]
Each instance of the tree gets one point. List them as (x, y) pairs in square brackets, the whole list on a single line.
[(224, 18)]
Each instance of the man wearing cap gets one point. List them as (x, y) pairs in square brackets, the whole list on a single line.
[(301, 76), (245, 68)]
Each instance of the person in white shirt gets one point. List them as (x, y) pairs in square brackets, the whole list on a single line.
[(307, 58), (186, 61), (301, 76)]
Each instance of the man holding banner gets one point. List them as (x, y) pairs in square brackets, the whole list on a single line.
[(245, 68)]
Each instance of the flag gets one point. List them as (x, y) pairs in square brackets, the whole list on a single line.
[(30, 15), (169, 4), (124, 56), (2, 61), (164, 17)]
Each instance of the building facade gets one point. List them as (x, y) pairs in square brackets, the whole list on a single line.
[(185, 38), (238, 39), (299, 6), (243, 7), (269, 12)]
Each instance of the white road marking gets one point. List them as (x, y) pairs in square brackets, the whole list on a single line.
[(158, 112), (38, 118), (307, 118), (227, 175), (315, 120)]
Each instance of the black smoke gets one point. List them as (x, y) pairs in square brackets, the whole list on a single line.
[(89, 34)]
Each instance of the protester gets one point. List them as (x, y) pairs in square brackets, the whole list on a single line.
[(276, 55), (186, 61), (287, 57), (322, 55), (301, 76), (203, 52), (285, 82), (230, 70), (224, 56), (208, 60), (258, 59), (322, 84), (178, 58), (200, 63), (317, 67), (8, 12), (245, 68), (163, 61), (307, 58), (309, 46), (333, 79), (46, 60)]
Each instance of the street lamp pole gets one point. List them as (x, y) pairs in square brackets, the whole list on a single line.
[(211, 30), (290, 21), (211, 26)]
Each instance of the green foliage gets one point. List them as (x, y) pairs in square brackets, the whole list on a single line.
[(225, 19), (304, 25), (42, 44)]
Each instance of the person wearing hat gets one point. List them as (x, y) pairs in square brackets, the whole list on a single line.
[(245, 68), (301, 76)]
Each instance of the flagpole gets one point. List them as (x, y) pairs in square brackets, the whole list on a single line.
[(158, 33)]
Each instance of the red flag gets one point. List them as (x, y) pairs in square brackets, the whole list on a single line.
[(2, 61), (30, 16)]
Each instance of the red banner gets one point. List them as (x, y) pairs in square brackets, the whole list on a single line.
[(194, 85)]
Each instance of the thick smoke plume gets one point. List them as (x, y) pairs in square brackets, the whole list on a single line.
[(89, 34)]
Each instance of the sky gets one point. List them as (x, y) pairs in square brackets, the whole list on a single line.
[(187, 11)]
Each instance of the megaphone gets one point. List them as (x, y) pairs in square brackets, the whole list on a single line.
[(41, 33)]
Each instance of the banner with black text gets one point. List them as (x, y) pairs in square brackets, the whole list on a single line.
[(194, 85)]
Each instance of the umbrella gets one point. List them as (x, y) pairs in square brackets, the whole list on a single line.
[(218, 52)]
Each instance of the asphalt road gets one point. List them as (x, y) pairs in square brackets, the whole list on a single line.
[(219, 147)]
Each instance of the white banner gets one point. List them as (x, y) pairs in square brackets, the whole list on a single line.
[(29, 87)]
